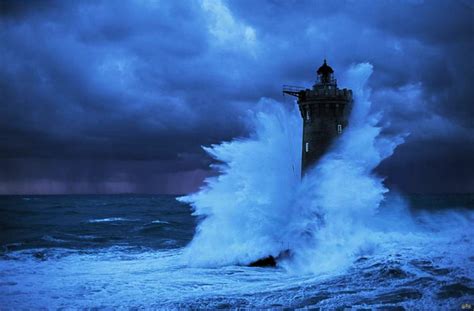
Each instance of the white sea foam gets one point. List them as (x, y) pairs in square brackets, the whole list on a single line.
[(159, 222), (111, 219), (52, 239)]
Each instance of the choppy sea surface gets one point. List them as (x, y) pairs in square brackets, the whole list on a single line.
[(125, 251)]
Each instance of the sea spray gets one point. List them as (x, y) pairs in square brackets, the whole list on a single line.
[(247, 207), (258, 205)]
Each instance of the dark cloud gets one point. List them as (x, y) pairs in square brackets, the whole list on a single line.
[(93, 90)]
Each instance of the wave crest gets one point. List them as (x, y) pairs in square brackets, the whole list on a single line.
[(259, 205)]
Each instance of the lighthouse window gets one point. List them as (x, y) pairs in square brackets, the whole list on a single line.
[(339, 128), (307, 147), (307, 115)]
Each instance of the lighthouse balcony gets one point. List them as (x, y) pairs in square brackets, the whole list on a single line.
[(328, 93)]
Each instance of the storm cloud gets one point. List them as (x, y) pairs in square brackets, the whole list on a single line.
[(107, 96)]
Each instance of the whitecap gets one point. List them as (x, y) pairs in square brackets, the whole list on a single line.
[(111, 219), (52, 239)]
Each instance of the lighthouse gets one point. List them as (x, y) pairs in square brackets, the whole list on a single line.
[(325, 110)]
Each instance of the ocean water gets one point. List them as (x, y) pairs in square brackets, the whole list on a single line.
[(127, 251), (354, 243)]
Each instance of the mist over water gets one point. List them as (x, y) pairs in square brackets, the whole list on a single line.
[(339, 211)]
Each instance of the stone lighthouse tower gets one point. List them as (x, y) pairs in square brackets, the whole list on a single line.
[(325, 110)]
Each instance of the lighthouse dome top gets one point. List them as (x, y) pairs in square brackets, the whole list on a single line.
[(324, 69)]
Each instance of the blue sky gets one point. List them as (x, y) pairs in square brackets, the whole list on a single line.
[(119, 96)]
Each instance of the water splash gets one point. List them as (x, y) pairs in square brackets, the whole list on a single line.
[(259, 205), (247, 206)]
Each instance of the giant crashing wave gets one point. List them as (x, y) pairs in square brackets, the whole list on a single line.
[(259, 206)]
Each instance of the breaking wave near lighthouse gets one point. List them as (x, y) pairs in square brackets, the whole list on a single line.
[(338, 217), (259, 205)]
